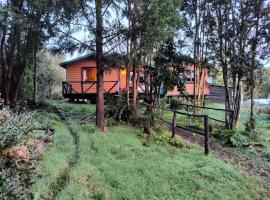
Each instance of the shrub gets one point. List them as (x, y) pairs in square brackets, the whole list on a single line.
[(57, 96), (252, 130), (111, 122), (233, 138), (265, 110), (16, 166), (14, 126), (117, 109), (175, 101), (166, 137)]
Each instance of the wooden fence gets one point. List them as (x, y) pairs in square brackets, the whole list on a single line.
[(173, 124), (228, 123)]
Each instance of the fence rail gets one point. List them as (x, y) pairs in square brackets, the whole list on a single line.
[(228, 123), (174, 125)]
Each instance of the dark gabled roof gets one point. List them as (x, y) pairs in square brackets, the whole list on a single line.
[(87, 56)]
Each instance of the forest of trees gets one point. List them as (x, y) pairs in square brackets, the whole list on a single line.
[(231, 35)]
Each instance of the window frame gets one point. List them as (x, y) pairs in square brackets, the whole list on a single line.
[(82, 78), (191, 78)]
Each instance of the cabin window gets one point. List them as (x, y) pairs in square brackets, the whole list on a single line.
[(189, 75), (90, 74)]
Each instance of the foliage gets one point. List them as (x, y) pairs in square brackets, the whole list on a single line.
[(26, 90), (26, 27), (175, 101), (49, 76), (15, 172), (165, 136), (57, 95), (15, 179), (117, 109), (233, 138), (14, 127), (263, 87), (236, 137), (169, 68)]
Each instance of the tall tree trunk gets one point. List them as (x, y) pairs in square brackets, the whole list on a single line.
[(100, 121), (253, 65), (134, 87), (16, 80), (128, 63), (35, 77), (127, 84), (251, 116), (195, 53), (5, 86)]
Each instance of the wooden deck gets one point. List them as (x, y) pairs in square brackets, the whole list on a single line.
[(85, 90)]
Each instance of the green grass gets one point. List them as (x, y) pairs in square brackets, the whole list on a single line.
[(55, 160), (262, 124), (117, 165)]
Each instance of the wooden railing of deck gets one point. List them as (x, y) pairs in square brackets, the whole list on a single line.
[(68, 89)]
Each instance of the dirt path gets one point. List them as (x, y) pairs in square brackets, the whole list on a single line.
[(253, 165), (63, 179)]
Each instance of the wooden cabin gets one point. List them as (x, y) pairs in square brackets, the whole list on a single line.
[(81, 79), (189, 72)]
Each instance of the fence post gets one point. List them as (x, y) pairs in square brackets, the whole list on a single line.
[(231, 120), (173, 124), (189, 117), (206, 135)]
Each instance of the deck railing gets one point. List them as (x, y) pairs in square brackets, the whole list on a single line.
[(85, 86)]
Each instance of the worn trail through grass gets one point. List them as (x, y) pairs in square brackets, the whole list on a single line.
[(63, 179), (83, 165)]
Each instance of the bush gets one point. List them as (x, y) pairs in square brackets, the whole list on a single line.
[(175, 101), (13, 127), (265, 110), (57, 96), (16, 166), (166, 137), (117, 109), (233, 138)]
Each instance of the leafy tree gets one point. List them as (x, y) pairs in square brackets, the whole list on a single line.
[(49, 75), (25, 27), (98, 33), (199, 12), (263, 85), (238, 43), (151, 23), (169, 69)]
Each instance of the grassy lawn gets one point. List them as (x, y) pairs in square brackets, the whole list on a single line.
[(55, 160), (116, 165), (262, 120), (262, 124)]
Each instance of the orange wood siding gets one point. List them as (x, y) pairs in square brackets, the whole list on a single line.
[(123, 79), (190, 85), (74, 73)]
